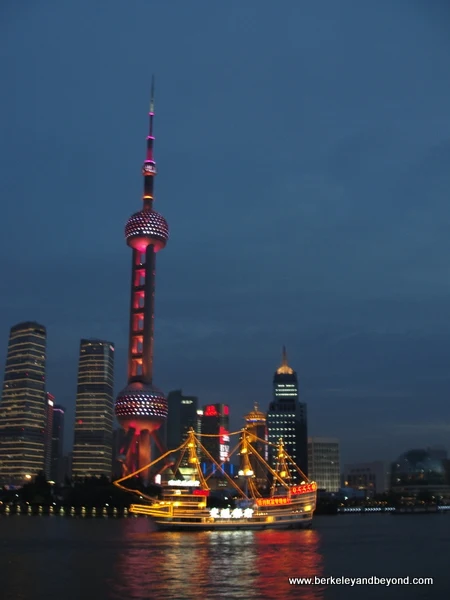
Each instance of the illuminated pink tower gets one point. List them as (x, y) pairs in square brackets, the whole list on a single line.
[(141, 408)]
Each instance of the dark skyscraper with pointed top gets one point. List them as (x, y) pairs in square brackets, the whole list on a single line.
[(287, 417), (141, 408)]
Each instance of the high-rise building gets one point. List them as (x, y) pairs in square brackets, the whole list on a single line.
[(287, 418), (324, 463), (215, 422), (92, 449), (140, 407), (182, 416), (23, 405), (48, 434), (256, 424), (56, 465)]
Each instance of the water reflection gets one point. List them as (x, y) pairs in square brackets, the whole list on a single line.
[(241, 564), (285, 554)]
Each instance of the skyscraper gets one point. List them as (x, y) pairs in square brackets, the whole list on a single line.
[(256, 424), (324, 463), (141, 408), (287, 417), (92, 450), (182, 416), (23, 405), (215, 421), (48, 434), (57, 454)]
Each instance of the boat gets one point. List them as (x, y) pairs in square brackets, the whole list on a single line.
[(185, 503)]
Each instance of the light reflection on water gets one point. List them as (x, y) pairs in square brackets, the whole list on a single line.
[(223, 564), (52, 558)]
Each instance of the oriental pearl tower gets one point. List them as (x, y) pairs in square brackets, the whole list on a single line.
[(140, 407)]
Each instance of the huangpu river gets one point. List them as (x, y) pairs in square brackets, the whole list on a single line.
[(52, 558)]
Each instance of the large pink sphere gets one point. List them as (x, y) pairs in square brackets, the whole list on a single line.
[(146, 227)]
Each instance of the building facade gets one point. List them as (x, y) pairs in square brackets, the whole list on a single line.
[(92, 450), (23, 405), (57, 452), (287, 418), (421, 474), (324, 463), (215, 422), (182, 416), (371, 477)]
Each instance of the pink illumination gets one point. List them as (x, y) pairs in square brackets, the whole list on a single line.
[(226, 410), (211, 411), (140, 408), (146, 227)]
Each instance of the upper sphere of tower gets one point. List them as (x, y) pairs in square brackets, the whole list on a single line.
[(146, 227)]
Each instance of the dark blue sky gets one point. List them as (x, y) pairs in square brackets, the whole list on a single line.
[(304, 169)]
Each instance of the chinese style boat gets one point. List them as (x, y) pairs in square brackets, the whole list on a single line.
[(183, 502)]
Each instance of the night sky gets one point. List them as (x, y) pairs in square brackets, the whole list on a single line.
[(304, 169)]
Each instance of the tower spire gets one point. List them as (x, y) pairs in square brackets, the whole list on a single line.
[(152, 105), (284, 362), (149, 168), (284, 369)]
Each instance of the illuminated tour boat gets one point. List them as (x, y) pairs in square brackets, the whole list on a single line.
[(184, 502)]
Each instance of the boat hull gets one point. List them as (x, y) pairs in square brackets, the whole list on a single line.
[(218, 526)]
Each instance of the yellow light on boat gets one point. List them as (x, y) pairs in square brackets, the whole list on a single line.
[(176, 504), (307, 508), (283, 474), (244, 451), (177, 492), (202, 504), (190, 445), (193, 460), (281, 455)]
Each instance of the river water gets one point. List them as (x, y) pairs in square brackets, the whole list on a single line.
[(53, 558)]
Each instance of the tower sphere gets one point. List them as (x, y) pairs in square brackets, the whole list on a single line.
[(141, 406), (146, 227)]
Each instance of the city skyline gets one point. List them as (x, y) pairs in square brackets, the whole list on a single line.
[(337, 244)]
